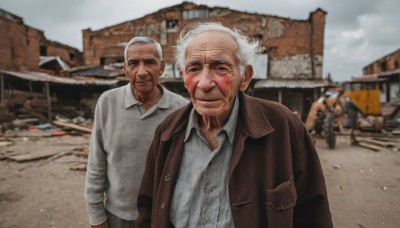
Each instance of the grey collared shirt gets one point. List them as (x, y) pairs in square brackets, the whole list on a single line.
[(201, 196), (121, 136)]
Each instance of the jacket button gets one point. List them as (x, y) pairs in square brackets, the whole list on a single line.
[(167, 178)]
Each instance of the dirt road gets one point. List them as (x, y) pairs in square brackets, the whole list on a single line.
[(363, 187)]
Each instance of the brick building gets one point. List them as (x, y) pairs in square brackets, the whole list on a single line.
[(294, 47), (389, 62), (33, 66), (289, 69), (22, 46), (386, 71)]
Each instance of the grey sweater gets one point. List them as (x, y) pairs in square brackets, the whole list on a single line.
[(121, 135)]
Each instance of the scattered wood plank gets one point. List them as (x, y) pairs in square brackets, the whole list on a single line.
[(73, 126), (35, 155), (56, 156), (8, 153), (50, 158), (377, 142), (6, 143), (78, 167), (369, 146)]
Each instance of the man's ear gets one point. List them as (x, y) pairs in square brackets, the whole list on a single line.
[(248, 75), (162, 68)]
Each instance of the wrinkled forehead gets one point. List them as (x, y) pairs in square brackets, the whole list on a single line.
[(213, 39), (143, 49)]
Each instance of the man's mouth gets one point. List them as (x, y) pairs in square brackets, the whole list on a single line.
[(208, 102), (143, 81)]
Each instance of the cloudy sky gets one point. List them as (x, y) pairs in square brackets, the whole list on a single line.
[(357, 32)]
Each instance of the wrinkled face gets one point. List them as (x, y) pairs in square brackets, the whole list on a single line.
[(211, 73), (143, 67)]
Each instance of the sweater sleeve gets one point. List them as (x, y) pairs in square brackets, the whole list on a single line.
[(96, 174)]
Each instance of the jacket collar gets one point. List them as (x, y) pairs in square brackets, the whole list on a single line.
[(253, 121)]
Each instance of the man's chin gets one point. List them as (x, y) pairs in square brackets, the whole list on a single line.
[(213, 112), (144, 88)]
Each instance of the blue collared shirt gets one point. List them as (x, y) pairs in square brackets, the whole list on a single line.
[(201, 196)]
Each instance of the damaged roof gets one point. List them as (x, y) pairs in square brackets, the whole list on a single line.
[(43, 77), (108, 71), (291, 83), (48, 62)]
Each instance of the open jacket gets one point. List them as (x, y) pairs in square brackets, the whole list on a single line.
[(275, 176)]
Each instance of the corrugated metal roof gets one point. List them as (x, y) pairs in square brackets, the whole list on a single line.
[(98, 71), (43, 77), (47, 59), (290, 83)]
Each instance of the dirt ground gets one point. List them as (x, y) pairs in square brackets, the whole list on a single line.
[(363, 186)]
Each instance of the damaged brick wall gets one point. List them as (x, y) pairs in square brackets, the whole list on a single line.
[(21, 45), (17, 41), (387, 63), (298, 66), (71, 56), (294, 47)]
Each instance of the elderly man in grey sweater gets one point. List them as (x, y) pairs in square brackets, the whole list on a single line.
[(124, 125)]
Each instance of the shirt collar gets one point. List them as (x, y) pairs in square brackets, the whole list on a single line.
[(130, 99), (229, 127)]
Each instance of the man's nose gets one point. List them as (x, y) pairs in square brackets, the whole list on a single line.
[(142, 71), (206, 80)]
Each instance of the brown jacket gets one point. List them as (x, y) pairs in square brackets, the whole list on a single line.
[(275, 177)]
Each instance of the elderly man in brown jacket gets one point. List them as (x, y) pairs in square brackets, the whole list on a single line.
[(228, 159)]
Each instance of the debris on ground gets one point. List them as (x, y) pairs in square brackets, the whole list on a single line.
[(29, 130)]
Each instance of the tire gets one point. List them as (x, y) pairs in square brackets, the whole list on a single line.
[(330, 137)]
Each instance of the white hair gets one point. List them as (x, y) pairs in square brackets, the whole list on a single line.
[(142, 40), (247, 49)]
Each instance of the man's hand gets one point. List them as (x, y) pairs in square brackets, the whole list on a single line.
[(103, 225)]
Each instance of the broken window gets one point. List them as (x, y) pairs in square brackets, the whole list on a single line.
[(383, 66), (71, 56), (43, 50), (172, 25), (259, 37), (102, 60), (195, 13)]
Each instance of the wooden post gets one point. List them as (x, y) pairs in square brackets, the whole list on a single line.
[(280, 96), (48, 101), (2, 97), (315, 94)]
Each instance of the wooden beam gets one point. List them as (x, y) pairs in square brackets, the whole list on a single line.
[(73, 126), (369, 146), (45, 152), (377, 142), (2, 88), (280, 96), (48, 101)]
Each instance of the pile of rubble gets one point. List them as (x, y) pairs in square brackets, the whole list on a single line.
[(27, 141)]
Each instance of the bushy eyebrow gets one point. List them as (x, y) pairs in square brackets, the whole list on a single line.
[(138, 59), (213, 62), (193, 62)]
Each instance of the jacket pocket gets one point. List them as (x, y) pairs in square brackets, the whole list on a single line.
[(280, 202)]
